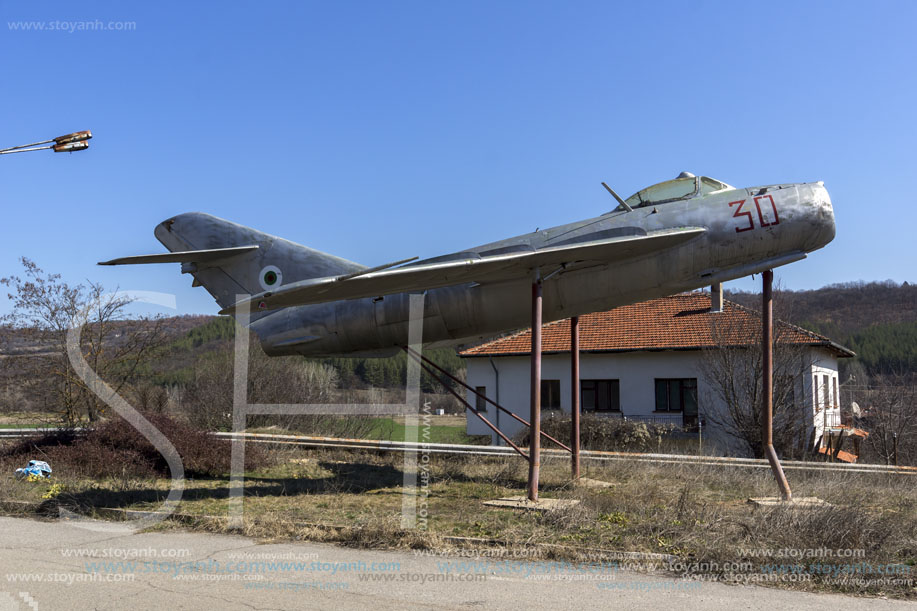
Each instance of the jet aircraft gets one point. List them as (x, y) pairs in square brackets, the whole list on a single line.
[(678, 235)]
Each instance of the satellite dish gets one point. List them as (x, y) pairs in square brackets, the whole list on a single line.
[(855, 410)]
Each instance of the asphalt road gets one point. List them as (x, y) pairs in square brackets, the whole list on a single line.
[(92, 565)]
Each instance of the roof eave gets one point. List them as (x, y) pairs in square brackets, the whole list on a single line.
[(841, 351)]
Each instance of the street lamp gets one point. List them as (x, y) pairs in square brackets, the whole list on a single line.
[(77, 141)]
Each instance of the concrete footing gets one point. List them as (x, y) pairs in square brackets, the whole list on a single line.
[(522, 502), (586, 482), (803, 502)]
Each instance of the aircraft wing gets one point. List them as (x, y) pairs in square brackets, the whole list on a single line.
[(497, 268)]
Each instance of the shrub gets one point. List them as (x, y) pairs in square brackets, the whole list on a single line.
[(606, 433), (115, 449), (209, 396)]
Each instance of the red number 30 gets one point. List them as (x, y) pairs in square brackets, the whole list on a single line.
[(739, 213)]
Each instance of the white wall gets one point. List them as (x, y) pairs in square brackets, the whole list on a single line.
[(815, 394), (636, 371)]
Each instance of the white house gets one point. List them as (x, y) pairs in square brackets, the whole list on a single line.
[(643, 361)]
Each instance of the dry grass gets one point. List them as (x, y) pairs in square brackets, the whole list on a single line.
[(698, 514)]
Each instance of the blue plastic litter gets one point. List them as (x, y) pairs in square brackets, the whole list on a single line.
[(38, 468)]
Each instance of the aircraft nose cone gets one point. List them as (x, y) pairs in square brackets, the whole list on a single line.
[(822, 217)]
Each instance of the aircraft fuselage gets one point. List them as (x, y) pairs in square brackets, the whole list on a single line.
[(747, 231)]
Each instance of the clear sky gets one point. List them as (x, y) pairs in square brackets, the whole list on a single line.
[(382, 130)]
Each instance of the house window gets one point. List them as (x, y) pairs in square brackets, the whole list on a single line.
[(479, 403), (837, 399), (550, 394), (600, 395), (826, 391), (676, 395)]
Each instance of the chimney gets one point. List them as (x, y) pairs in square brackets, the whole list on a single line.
[(716, 297)]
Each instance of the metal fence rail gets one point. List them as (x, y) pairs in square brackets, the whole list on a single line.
[(488, 450), (33, 432), (593, 455)]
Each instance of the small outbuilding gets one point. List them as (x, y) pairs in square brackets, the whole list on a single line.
[(663, 361)]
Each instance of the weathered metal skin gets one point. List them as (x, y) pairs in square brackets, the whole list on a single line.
[(747, 231)]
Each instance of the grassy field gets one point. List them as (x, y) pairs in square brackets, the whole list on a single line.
[(448, 429), (698, 515), (28, 420), (443, 429)]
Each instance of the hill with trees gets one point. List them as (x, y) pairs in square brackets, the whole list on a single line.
[(877, 320)]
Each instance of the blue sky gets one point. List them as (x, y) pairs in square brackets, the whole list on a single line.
[(382, 130)]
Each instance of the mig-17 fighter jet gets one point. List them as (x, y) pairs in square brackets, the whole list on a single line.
[(674, 236)]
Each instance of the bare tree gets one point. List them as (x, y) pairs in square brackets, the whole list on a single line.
[(733, 371), (152, 398), (888, 412), (115, 347), (45, 308), (208, 399)]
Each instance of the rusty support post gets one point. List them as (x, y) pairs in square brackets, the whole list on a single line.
[(471, 409), (483, 397), (574, 394), (767, 346), (535, 394)]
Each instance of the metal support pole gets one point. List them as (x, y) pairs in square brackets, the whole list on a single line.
[(535, 394), (483, 397), (496, 387), (767, 346), (471, 409), (574, 394), (23, 150)]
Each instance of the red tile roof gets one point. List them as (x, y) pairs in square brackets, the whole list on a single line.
[(679, 322)]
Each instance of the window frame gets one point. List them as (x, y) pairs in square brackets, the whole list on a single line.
[(613, 395), (480, 405), (682, 386), (547, 392)]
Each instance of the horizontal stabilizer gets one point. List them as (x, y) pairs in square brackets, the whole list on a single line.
[(497, 268), (188, 256)]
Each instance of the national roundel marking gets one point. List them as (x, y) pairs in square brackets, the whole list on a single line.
[(271, 277)]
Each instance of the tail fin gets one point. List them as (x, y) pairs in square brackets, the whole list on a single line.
[(275, 262)]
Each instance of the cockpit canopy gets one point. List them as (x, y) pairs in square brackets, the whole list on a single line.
[(686, 186)]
